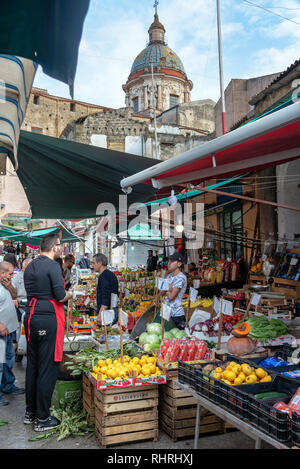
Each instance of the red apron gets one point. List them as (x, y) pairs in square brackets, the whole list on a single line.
[(60, 329)]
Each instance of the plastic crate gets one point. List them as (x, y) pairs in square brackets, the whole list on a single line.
[(277, 369), (187, 374), (264, 415), (296, 428)]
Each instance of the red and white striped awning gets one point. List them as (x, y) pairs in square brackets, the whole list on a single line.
[(269, 141)]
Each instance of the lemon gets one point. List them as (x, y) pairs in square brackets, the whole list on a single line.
[(260, 373), (152, 368), (103, 369), (108, 361), (101, 363), (218, 370), (135, 361), (146, 370), (113, 373)]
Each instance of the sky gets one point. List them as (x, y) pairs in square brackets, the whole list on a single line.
[(255, 42)]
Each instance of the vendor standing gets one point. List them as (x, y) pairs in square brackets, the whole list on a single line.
[(107, 285), (177, 288), (44, 323)]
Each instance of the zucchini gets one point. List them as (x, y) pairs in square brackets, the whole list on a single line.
[(265, 395)]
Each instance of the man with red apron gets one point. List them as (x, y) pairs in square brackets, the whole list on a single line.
[(44, 323)]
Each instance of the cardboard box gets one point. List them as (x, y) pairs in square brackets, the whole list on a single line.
[(66, 390)]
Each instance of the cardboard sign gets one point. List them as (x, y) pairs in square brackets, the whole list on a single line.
[(193, 295), (255, 299), (165, 312), (107, 317), (163, 284)]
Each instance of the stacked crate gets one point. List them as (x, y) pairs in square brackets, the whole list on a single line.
[(88, 397), (126, 415), (177, 412)]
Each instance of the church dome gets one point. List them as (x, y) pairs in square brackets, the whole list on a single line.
[(162, 58)]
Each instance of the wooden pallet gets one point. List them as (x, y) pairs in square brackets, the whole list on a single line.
[(290, 288), (88, 397), (126, 415)]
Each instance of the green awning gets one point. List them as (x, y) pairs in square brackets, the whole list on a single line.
[(45, 31), (65, 180), (34, 237)]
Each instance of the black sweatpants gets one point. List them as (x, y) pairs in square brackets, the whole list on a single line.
[(41, 371)]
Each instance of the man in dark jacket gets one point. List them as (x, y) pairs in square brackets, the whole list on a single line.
[(107, 285)]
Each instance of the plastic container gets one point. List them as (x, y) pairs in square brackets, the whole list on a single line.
[(277, 369), (296, 428), (264, 415)]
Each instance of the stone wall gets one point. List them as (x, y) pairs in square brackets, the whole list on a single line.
[(237, 96)]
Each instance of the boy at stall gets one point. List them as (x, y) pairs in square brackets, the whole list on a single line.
[(177, 288)]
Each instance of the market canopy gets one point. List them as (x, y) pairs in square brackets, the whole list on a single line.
[(34, 237), (63, 179), (269, 141), (47, 32)]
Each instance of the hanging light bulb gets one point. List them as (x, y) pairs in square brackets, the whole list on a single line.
[(179, 228), (172, 199)]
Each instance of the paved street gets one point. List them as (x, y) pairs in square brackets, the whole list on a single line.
[(15, 435)]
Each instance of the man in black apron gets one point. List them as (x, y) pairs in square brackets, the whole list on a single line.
[(44, 327)]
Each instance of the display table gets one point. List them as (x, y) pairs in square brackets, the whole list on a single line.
[(243, 426)]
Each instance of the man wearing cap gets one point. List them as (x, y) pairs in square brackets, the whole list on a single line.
[(178, 284)]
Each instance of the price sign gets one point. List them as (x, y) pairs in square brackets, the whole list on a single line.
[(216, 305), (196, 283), (107, 317), (165, 312), (163, 284), (294, 261), (127, 293), (193, 295), (227, 307), (123, 318), (255, 299), (87, 301), (114, 300), (122, 285)]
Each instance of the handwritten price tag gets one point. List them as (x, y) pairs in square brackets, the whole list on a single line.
[(227, 307), (165, 312), (193, 295), (255, 299), (163, 284)]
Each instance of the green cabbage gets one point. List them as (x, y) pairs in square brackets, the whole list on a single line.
[(174, 330), (168, 335), (153, 339), (143, 338), (154, 328)]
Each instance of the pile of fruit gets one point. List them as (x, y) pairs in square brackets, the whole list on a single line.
[(183, 349), (201, 302), (151, 339), (233, 373), (115, 369)]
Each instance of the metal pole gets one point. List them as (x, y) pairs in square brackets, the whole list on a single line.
[(221, 68), (154, 112)]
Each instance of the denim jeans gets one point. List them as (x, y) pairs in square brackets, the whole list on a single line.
[(7, 378)]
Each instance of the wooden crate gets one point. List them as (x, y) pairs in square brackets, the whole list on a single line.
[(255, 279), (126, 415), (177, 413), (290, 288), (88, 397)]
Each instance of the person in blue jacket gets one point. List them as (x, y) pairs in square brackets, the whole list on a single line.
[(107, 285)]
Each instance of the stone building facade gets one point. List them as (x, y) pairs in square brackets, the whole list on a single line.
[(170, 83), (48, 115)]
